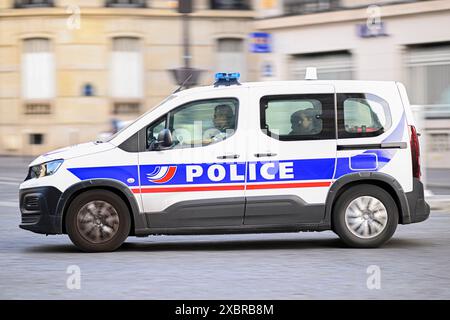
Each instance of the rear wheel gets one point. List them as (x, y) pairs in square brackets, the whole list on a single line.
[(365, 216), (98, 220)]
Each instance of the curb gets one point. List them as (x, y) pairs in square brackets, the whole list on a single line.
[(439, 203)]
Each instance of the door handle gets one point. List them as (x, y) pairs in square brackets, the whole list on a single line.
[(228, 156), (383, 145), (268, 154)]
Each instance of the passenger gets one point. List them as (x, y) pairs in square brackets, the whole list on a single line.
[(304, 122)]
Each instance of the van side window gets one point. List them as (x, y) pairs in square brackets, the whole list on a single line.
[(154, 129), (298, 117), (203, 122), (197, 123), (362, 115)]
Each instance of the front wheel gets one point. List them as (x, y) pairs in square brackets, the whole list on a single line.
[(365, 216), (98, 220)]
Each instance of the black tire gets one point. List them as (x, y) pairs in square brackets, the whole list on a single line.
[(344, 231), (78, 232)]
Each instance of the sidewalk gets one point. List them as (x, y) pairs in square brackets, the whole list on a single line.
[(439, 203), (437, 192)]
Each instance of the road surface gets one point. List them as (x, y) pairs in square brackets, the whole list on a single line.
[(414, 264)]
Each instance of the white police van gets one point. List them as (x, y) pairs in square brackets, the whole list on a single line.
[(282, 156)]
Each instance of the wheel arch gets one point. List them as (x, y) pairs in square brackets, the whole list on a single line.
[(137, 221), (382, 180)]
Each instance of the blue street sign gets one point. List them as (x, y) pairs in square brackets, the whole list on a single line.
[(260, 42), (376, 30), (267, 69)]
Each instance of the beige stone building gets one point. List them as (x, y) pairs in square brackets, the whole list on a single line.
[(68, 68), (400, 40)]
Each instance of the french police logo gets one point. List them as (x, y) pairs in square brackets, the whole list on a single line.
[(162, 174)]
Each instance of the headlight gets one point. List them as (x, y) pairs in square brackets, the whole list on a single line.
[(44, 169)]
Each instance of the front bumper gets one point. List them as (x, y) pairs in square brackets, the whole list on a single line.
[(419, 210), (38, 208)]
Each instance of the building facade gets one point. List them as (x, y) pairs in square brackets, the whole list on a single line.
[(71, 69), (407, 41)]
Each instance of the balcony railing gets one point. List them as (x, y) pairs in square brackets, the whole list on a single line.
[(293, 7), (33, 3), (230, 4), (126, 3), (436, 111), (298, 7)]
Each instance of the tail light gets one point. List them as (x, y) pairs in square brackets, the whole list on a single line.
[(415, 152)]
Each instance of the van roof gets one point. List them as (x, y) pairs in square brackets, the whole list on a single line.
[(288, 82)]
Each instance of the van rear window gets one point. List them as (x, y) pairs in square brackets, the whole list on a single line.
[(298, 117), (362, 115)]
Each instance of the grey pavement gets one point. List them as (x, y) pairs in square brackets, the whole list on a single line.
[(438, 180), (414, 264)]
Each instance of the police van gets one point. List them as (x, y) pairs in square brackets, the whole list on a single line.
[(284, 156)]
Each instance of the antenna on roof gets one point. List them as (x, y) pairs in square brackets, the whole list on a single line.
[(183, 84), (311, 73)]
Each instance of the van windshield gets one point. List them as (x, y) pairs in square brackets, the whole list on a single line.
[(111, 137)]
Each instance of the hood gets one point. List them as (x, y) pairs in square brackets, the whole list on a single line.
[(74, 151)]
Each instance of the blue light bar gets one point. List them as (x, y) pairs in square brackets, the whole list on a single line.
[(227, 79), (220, 76)]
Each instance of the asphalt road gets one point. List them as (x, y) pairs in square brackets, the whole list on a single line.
[(414, 264)]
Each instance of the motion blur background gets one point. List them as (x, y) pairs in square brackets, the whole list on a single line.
[(73, 71)]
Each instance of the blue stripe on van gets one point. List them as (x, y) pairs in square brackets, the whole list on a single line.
[(302, 170)]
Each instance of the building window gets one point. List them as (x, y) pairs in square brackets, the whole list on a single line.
[(330, 65), (439, 142), (127, 74), (231, 56), (126, 3), (428, 69), (126, 108), (36, 138), (38, 70), (230, 4), (292, 7), (37, 108), (32, 3)]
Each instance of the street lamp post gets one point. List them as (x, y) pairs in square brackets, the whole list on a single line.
[(186, 56), (186, 76)]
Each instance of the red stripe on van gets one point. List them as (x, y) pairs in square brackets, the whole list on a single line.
[(234, 187), (288, 185), (190, 188)]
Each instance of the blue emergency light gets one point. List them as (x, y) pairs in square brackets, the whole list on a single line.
[(226, 79)]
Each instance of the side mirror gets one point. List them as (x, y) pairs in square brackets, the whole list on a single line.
[(164, 141), (165, 138)]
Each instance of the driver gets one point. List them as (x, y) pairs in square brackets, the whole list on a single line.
[(223, 124)]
